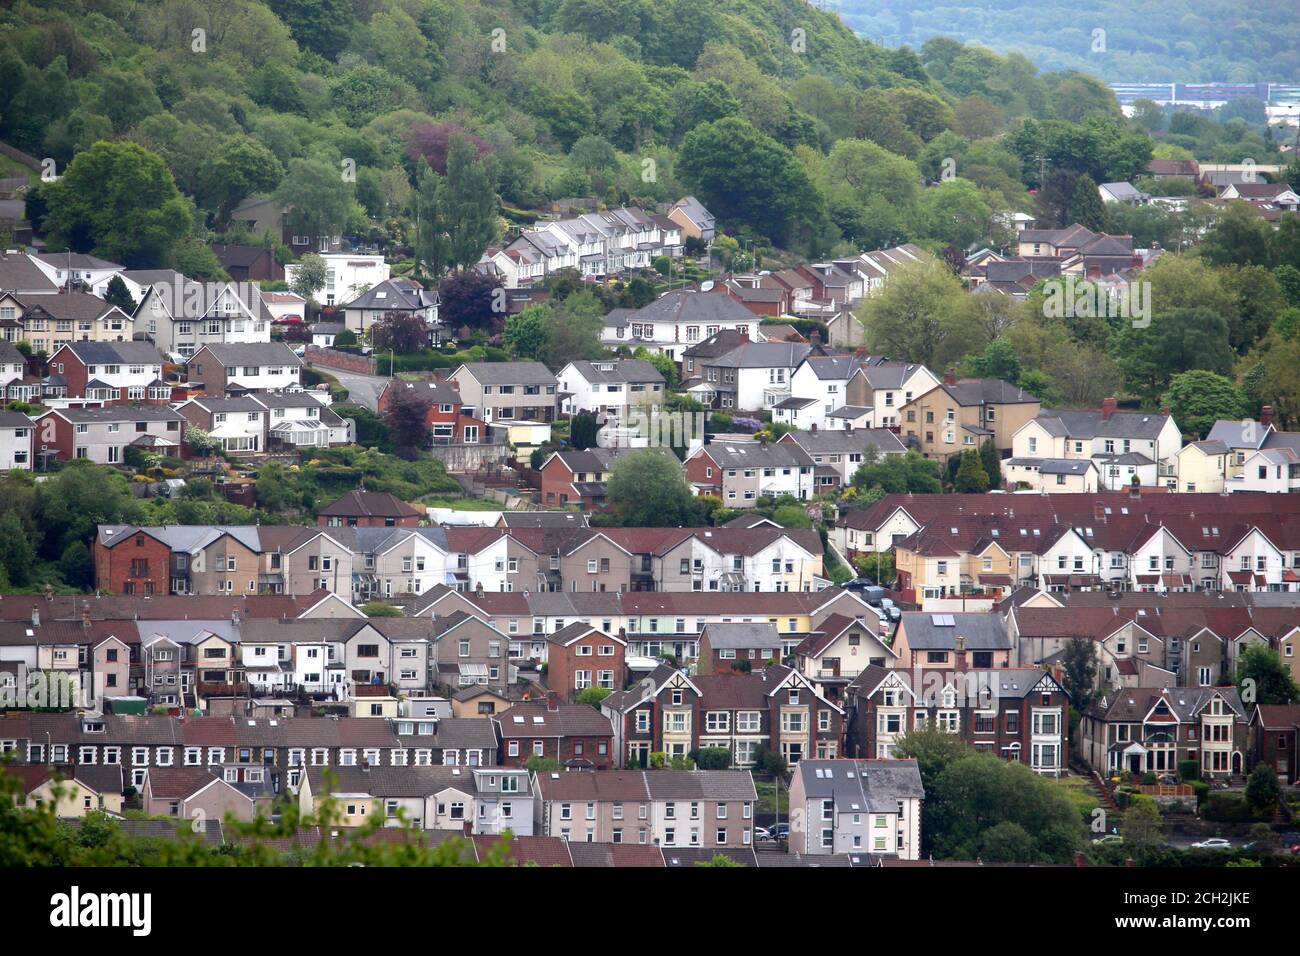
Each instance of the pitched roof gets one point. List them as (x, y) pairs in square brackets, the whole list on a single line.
[(231, 354), (369, 504), (983, 632)]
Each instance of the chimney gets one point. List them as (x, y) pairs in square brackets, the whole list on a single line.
[(85, 619), (814, 338), (860, 354), (960, 647), (812, 427), (950, 377), (478, 588), (1164, 410), (1108, 406), (552, 702), (36, 616), (622, 634), (848, 428), (1266, 416), (744, 338), (234, 617)]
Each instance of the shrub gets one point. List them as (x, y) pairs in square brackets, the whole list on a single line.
[(1188, 770)]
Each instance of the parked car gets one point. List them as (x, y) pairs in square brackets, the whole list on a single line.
[(1213, 843), (781, 831), (1108, 839), (762, 835)]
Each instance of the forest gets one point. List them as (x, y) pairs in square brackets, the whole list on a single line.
[(1153, 41)]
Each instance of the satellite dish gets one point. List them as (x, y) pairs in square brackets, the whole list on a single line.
[(706, 285)]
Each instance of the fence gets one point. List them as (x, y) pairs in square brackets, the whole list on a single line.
[(332, 358)]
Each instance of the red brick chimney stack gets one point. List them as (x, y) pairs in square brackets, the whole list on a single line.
[(1108, 406)]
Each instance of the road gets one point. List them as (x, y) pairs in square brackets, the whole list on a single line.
[(363, 390)]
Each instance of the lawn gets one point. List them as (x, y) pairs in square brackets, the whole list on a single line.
[(768, 796), (463, 504)]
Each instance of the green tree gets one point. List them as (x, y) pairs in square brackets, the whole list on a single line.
[(317, 197), (525, 334), (743, 175), (1141, 825), (17, 556), (592, 696), (921, 315), (1086, 207), (1262, 790), (1079, 669), (322, 26), (116, 293), (992, 463), (1197, 399), (380, 609), (310, 276), (971, 476), (647, 490), (238, 168), (470, 203), (76, 567), (1264, 678), (899, 474), (119, 201)]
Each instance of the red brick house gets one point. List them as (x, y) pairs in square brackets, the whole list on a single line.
[(108, 372), (580, 656), (1273, 733), (578, 736), (1017, 713), (368, 509), (443, 411), (131, 563), (659, 714)]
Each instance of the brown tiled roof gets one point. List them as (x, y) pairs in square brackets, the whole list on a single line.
[(608, 785), (179, 782), (372, 504), (569, 720), (736, 691), (528, 850)]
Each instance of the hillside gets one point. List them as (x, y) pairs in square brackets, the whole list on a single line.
[(796, 132), (1158, 40)]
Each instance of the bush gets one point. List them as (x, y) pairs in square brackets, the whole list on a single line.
[(712, 758), (1188, 770), (1228, 808), (1149, 779), (592, 696)]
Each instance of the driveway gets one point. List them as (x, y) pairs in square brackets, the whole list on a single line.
[(363, 390)]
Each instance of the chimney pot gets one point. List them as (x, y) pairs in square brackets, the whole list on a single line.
[(36, 616), (1266, 415), (950, 377)]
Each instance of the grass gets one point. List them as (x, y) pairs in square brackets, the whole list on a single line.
[(768, 796), (463, 504)]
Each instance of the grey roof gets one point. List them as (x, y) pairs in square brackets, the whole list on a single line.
[(867, 785), (742, 636), (990, 391), (758, 455), (510, 373), (619, 370), (124, 353), (842, 441), (1238, 434), (122, 413), (849, 411), (397, 294), (1090, 424), (939, 632), (466, 733), (184, 537), (20, 274), (695, 307), (1123, 191), (219, 404), (15, 420), (700, 785), (795, 403), (1014, 681), (230, 354), (74, 260), (763, 355), (1055, 466)]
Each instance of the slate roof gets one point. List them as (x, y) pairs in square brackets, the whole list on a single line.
[(743, 636), (535, 719), (695, 308), (623, 370), (869, 785), (983, 632), (232, 354), (510, 373), (398, 294), (1144, 426), (121, 353)]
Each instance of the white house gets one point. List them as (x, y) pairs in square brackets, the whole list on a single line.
[(611, 387), (1123, 444), (77, 268), (238, 423), (347, 275), (676, 321), (16, 436)]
